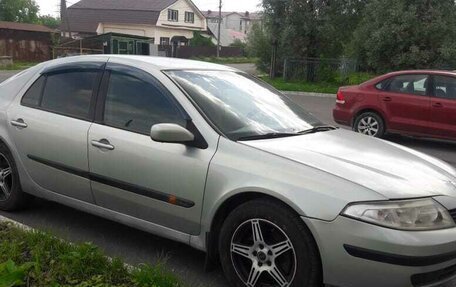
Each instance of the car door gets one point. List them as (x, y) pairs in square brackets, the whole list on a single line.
[(405, 101), (50, 125), (161, 183), (443, 107)]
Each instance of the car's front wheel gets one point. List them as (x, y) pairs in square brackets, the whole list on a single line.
[(263, 243)]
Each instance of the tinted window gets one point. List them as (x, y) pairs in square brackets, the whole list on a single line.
[(445, 87), (136, 105), (32, 96), (409, 84), (69, 93)]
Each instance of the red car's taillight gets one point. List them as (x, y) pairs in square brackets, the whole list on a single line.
[(340, 98)]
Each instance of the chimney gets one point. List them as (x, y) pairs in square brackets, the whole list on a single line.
[(209, 12), (247, 13)]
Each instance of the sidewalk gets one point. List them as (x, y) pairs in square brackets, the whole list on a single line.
[(309, 94)]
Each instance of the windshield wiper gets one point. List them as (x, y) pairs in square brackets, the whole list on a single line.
[(318, 129), (267, 136)]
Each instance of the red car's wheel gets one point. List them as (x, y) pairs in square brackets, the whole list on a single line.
[(371, 124)]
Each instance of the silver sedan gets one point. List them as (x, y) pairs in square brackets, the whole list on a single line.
[(214, 158)]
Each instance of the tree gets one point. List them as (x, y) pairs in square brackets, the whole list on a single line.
[(19, 11), (404, 34), (308, 28), (199, 40), (259, 46), (49, 21)]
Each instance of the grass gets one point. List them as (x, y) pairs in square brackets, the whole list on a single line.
[(18, 66), (226, 60), (34, 258), (317, 87)]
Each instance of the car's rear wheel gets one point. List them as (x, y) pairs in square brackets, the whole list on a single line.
[(262, 243), (11, 195), (369, 123)]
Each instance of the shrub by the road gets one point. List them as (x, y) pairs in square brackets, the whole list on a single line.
[(34, 258)]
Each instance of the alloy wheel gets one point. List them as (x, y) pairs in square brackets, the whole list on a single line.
[(6, 178), (368, 126), (262, 254)]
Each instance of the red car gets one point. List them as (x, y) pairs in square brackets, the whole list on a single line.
[(419, 103)]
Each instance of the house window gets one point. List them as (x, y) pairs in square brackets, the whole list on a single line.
[(173, 15), (164, 41), (189, 17), (240, 25)]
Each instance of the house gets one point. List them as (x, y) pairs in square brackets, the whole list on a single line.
[(234, 25), (163, 22), (26, 42)]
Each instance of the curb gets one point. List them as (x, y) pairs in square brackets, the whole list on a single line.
[(309, 94), (15, 223), (27, 228)]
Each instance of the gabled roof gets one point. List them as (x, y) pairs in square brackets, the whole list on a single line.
[(85, 15), (141, 5), (87, 20), (25, 27)]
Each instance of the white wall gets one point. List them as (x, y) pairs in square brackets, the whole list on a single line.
[(182, 6)]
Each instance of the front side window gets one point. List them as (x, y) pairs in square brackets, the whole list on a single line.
[(445, 87), (136, 104), (173, 15), (189, 17), (69, 93), (409, 84), (241, 106)]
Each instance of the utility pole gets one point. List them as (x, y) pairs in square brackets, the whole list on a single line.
[(64, 16), (219, 27)]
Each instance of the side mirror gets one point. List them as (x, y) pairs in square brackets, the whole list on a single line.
[(171, 133)]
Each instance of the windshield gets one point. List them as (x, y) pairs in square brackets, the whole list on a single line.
[(242, 106)]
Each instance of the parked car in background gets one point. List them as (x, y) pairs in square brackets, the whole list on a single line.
[(212, 157), (418, 103)]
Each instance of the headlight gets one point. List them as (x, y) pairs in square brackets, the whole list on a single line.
[(422, 214)]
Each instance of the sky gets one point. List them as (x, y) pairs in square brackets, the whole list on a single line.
[(52, 6)]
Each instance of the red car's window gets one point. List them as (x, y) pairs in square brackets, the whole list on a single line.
[(409, 84), (445, 87)]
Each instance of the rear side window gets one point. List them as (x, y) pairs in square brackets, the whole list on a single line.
[(136, 105), (33, 95), (409, 84), (445, 87), (69, 93)]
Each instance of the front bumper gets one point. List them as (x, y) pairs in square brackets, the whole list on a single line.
[(358, 254)]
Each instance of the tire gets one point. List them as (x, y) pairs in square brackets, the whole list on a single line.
[(371, 124), (9, 180), (295, 260)]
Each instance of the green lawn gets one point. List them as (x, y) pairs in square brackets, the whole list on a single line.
[(33, 258), (317, 87), (18, 66), (226, 60)]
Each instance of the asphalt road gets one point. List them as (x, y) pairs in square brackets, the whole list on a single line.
[(137, 247)]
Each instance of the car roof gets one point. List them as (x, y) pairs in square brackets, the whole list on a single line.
[(433, 72), (159, 63)]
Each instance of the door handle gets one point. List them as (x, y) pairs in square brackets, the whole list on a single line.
[(437, 105), (103, 144), (387, 99), (19, 123)]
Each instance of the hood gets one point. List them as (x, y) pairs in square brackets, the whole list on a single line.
[(393, 171)]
